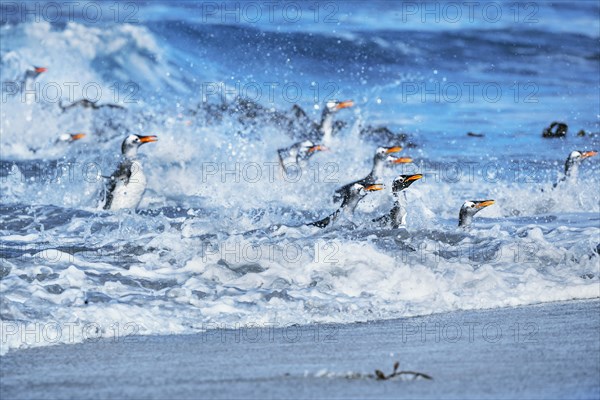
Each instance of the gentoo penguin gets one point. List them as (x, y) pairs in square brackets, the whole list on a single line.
[(62, 141), (380, 160), (128, 183), (326, 125), (397, 215), (85, 103), (298, 152), (469, 209), (69, 137), (354, 195), (30, 75), (572, 164)]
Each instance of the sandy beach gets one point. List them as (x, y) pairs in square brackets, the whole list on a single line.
[(299, 199), (540, 351)]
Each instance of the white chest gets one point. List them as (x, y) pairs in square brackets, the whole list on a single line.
[(128, 194)]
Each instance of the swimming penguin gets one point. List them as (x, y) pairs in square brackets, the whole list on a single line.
[(128, 183), (30, 75), (326, 125), (397, 215), (351, 199), (380, 160), (85, 103), (572, 164), (469, 209), (294, 155), (69, 138), (60, 142), (66, 139)]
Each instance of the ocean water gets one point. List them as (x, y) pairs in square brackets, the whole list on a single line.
[(199, 251)]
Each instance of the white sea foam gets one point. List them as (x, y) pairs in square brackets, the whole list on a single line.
[(202, 251)]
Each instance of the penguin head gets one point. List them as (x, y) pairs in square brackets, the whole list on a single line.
[(382, 152), (578, 156), (383, 156), (70, 137), (404, 181), (133, 142), (398, 160), (362, 190), (39, 70), (472, 207), (307, 148), (333, 106)]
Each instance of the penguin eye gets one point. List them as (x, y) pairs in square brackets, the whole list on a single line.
[(472, 205)]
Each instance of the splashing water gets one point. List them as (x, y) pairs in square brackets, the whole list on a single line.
[(200, 250)]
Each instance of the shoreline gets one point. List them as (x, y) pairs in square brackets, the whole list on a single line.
[(548, 350)]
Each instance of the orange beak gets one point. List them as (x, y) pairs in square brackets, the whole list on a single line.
[(374, 188), (414, 177), (484, 203), (395, 149), (344, 104), (77, 136), (317, 148), (148, 139), (587, 154), (402, 160), (39, 70)]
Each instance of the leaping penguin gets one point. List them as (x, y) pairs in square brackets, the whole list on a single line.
[(31, 75), (297, 153), (380, 160), (354, 195), (326, 125), (572, 164), (469, 209), (128, 183), (397, 215)]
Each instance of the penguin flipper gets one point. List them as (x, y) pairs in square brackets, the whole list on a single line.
[(123, 174), (342, 192), (384, 220), (281, 154), (322, 223), (111, 105)]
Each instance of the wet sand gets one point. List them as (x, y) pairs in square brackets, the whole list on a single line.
[(541, 351)]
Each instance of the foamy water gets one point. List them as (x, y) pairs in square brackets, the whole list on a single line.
[(200, 253)]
